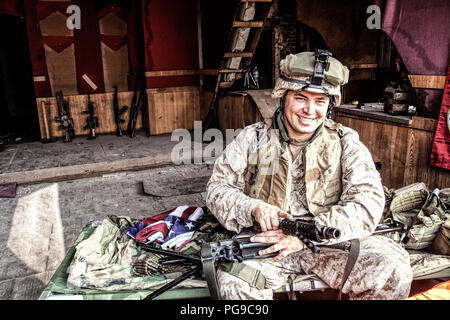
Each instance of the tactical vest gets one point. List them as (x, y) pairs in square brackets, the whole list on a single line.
[(268, 175)]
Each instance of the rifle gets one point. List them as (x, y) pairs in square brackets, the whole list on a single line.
[(64, 117), (91, 120), (227, 250), (136, 106), (240, 249), (118, 112)]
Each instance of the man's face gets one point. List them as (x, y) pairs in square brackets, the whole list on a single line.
[(304, 112)]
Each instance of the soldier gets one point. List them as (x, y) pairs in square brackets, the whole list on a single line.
[(303, 164)]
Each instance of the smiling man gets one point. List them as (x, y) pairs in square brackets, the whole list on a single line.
[(302, 164)]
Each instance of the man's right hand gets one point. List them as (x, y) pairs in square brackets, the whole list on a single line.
[(267, 215)]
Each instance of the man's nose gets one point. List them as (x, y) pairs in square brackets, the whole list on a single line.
[(309, 107)]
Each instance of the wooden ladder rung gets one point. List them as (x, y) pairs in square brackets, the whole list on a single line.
[(238, 54), (226, 84), (248, 24)]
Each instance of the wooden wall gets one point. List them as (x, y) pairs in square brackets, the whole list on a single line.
[(236, 111), (168, 110), (173, 108), (403, 150), (103, 107)]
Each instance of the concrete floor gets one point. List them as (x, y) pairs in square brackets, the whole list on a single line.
[(62, 186)]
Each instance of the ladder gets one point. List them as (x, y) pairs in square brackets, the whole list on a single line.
[(243, 37)]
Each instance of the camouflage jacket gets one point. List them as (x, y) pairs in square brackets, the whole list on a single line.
[(356, 211)]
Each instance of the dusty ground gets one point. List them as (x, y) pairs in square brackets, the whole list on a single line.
[(57, 196), (43, 221)]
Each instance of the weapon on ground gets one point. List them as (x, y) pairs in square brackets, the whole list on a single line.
[(66, 122), (48, 137), (240, 249), (91, 120), (136, 106), (118, 112)]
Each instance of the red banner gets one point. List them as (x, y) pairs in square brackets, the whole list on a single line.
[(440, 152)]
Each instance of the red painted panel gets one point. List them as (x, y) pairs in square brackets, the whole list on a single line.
[(12, 7), (37, 51), (170, 40), (88, 53)]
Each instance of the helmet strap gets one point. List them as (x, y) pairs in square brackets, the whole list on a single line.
[(331, 106)]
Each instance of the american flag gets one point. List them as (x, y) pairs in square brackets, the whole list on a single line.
[(173, 228)]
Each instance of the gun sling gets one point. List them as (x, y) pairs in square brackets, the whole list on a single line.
[(209, 270), (351, 260)]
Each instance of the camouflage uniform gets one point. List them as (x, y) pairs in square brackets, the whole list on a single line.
[(382, 270)]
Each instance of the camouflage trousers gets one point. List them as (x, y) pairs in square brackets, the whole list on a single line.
[(381, 272)]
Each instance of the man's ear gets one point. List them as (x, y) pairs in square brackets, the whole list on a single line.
[(283, 99)]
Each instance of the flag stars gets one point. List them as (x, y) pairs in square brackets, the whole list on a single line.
[(189, 225)]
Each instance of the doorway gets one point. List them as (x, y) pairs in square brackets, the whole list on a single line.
[(19, 120)]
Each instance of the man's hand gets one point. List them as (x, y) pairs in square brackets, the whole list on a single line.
[(267, 215), (284, 243)]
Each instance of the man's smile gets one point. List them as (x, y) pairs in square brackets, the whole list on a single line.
[(305, 120)]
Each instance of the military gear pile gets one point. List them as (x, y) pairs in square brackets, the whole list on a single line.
[(441, 244), (424, 213)]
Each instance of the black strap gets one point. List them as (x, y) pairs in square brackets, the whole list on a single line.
[(209, 270), (351, 260), (291, 293)]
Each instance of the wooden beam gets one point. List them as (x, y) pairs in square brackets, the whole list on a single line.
[(171, 73), (248, 24), (363, 66), (427, 81), (231, 70), (226, 84), (238, 54)]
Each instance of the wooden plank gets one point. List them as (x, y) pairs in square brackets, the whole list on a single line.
[(238, 54), (363, 66), (248, 24), (427, 81), (231, 70), (226, 84), (426, 124), (172, 73), (173, 108)]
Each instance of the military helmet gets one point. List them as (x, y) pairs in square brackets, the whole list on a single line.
[(311, 71)]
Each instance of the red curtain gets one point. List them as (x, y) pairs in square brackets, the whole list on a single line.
[(420, 31)]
